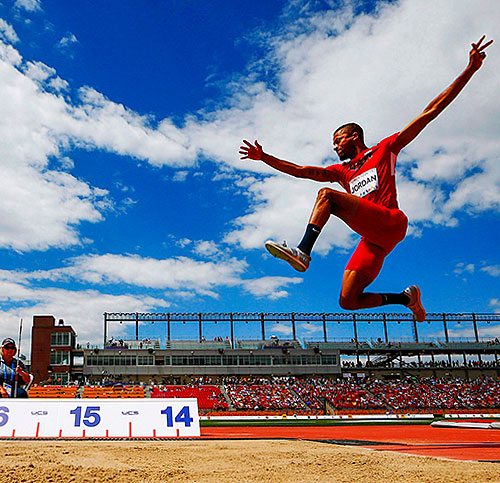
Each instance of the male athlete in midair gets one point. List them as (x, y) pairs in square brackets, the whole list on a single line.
[(370, 206)]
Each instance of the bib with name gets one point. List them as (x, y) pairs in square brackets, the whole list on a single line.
[(364, 183)]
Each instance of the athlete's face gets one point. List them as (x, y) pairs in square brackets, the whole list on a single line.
[(344, 144)]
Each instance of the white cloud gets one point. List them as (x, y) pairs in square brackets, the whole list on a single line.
[(461, 268), (28, 5), (59, 199), (174, 273), (7, 32), (495, 305), (270, 287), (177, 275), (45, 126), (38, 71), (180, 176), (8, 53), (206, 248), (32, 192), (486, 331), (45, 75), (310, 329), (183, 242), (66, 163), (470, 268), (282, 329), (477, 193), (493, 270), (67, 41), (84, 312)]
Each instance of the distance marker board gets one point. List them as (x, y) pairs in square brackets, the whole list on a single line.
[(99, 418)]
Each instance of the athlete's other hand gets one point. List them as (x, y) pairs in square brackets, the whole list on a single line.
[(249, 151), (477, 54)]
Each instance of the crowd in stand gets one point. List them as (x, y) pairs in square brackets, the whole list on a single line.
[(437, 393), (437, 364), (209, 397), (344, 394), (319, 394), (314, 394), (262, 396)]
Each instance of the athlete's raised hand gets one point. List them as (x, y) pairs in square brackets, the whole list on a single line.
[(249, 151), (477, 53)]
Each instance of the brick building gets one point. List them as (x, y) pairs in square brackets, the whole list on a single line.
[(53, 351)]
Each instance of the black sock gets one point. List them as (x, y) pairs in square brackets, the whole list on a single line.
[(309, 239), (395, 298)]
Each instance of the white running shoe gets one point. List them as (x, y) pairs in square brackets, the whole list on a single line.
[(415, 303), (294, 256)]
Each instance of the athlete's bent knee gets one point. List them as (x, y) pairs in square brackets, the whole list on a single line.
[(325, 198), (325, 193), (348, 303)]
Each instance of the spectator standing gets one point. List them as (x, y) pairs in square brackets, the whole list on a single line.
[(12, 369)]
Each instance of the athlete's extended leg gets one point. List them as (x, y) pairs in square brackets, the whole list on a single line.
[(353, 295), (363, 267), (364, 217), (382, 226)]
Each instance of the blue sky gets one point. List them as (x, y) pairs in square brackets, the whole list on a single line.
[(123, 187)]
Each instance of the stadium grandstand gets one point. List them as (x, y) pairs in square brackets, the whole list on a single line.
[(275, 363)]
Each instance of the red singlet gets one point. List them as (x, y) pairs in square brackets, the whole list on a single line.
[(371, 176)]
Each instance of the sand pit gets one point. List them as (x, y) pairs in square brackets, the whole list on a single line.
[(262, 460)]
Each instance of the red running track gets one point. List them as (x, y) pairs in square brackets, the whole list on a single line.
[(454, 443)]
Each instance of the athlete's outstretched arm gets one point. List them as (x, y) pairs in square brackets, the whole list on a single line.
[(438, 105), (255, 152)]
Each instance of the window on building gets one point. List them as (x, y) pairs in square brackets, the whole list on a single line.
[(60, 338), (123, 360), (329, 360), (59, 358), (145, 361)]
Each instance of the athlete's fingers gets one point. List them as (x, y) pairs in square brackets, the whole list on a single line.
[(248, 143), (257, 144), (487, 44), (480, 40)]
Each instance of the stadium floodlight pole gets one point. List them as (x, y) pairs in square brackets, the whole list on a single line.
[(14, 394)]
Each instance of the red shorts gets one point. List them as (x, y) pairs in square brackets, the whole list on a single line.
[(381, 230)]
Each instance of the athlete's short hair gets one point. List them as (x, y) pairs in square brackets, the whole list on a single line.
[(352, 127)]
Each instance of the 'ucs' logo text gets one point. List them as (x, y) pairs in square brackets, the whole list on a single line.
[(39, 413), (130, 413)]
